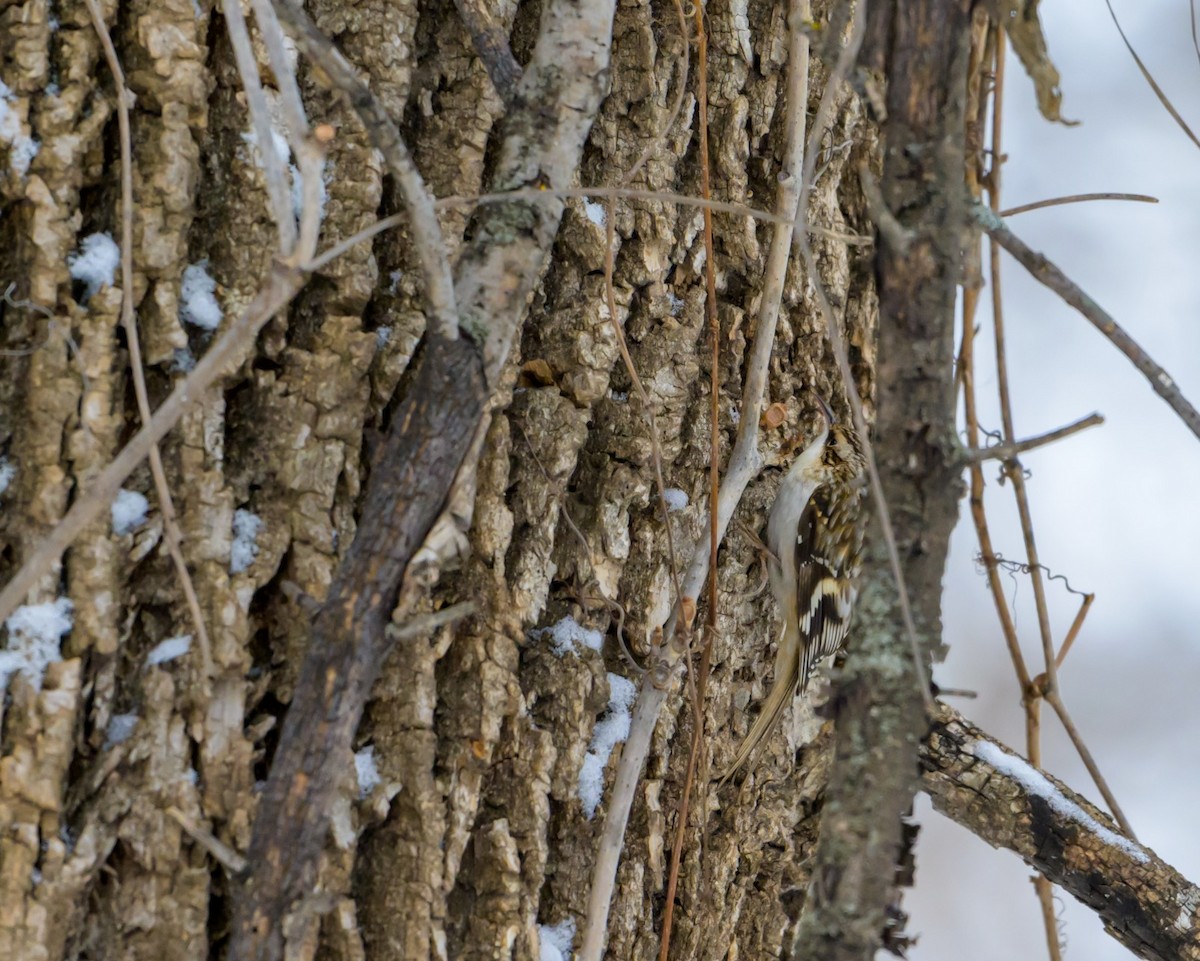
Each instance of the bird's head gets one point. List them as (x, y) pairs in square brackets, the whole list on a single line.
[(835, 456), (843, 455)]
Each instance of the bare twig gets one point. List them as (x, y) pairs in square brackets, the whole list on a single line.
[(1073, 632), (698, 689), (1013, 471), (966, 366), (172, 536), (892, 230), (419, 626), (309, 153), (1054, 699), (1195, 39), (1158, 91), (1032, 704), (222, 853), (744, 463), (1005, 451), (998, 45), (535, 195), (1047, 273), (1045, 686), (52, 327), (1076, 199), (385, 136)]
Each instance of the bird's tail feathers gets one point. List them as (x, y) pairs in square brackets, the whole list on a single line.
[(784, 689)]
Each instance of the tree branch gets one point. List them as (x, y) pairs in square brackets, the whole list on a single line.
[(426, 448), (1048, 274), (491, 46), (1005, 451), (1144, 902)]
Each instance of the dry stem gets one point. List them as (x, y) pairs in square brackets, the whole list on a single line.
[(273, 165), (310, 157), (537, 195), (1032, 690), (698, 689), (172, 536), (1076, 199)]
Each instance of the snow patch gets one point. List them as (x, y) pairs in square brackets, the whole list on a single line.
[(197, 298), (556, 940), (35, 633), (246, 528), (366, 771), (8, 471), (595, 212), (612, 729), (22, 147), (169, 649), (567, 636), (120, 729), (1034, 782), (128, 511), (95, 263), (279, 141), (676, 499)]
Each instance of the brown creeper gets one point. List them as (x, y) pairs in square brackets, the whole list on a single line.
[(815, 534)]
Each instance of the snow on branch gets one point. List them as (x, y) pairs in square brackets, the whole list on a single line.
[(1143, 901)]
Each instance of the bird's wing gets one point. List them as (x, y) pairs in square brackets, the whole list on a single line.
[(825, 592)]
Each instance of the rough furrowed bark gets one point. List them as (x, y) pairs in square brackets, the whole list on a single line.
[(426, 448), (476, 833), (429, 437)]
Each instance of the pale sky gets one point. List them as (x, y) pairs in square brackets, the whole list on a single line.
[(1115, 509)]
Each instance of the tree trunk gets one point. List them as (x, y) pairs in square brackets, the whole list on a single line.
[(129, 783)]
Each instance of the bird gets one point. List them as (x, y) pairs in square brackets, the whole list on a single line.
[(815, 536)]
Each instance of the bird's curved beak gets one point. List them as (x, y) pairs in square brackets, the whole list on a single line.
[(826, 410)]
